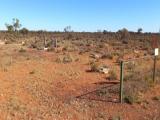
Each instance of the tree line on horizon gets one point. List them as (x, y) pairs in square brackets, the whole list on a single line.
[(16, 26)]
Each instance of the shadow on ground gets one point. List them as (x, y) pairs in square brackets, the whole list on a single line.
[(104, 92)]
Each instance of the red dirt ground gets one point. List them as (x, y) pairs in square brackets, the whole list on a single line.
[(35, 87)]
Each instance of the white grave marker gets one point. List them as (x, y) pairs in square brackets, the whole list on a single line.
[(156, 51)]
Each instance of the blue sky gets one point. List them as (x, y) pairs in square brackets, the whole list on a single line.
[(82, 15)]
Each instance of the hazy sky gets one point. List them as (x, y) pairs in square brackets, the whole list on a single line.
[(82, 15)]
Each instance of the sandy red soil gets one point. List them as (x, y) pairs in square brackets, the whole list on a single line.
[(35, 87)]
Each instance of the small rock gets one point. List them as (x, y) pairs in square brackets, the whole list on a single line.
[(136, 51), (95, 56), (23, 43), (104, 69), (45, 49)]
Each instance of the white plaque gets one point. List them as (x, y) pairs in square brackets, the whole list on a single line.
[(156, 51)]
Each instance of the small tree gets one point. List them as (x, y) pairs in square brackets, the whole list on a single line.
[(124, 34), (105, 31), (24, 31), (15, 26), (139, 30), (9, 27), (67, 29)]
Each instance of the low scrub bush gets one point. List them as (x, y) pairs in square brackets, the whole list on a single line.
[(94, 66), (130, 99), (128, 76), (70, 47), (157, 98), (102, 92), (67, 59), (107, 56), (112, 75), (22, 50), (133, 94), (5, 62), (131, 66), (116, 118)]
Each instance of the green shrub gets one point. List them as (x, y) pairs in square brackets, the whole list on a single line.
[(131, 66), (112, 75), (94, 66), (22, 50), (157, 98), (69, 47), (67, 59), (130, 99), (107, 56), (149, 81), (24, 31), (116, 118), (59, 59), (128, 76), (133, 95)]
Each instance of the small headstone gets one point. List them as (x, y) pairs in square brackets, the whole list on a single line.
[(45, 49), (104, 69), (156, 52), (23, 43)]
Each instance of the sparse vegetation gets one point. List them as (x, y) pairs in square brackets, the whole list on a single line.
[(139, 30), (113, 74), (15, 26), (94, 66), (107, 56), (53, 71), (131, 99), (68, 58), (24, 31), (116, 118), (102, 92), (64, 72), (22, 50), (157, 98), (67, 29)]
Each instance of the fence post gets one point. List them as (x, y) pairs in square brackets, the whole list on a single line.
[(154, 69), (56, 43), (121, 82)]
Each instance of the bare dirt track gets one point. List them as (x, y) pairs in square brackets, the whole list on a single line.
[(33, 86)]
